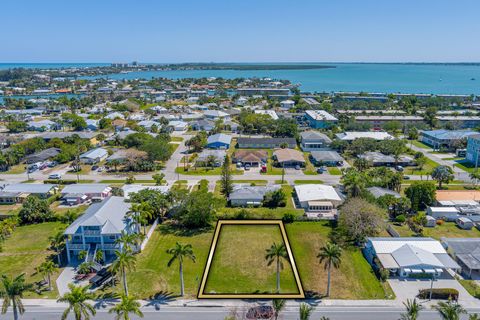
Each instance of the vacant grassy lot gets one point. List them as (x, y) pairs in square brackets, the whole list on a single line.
[(152, 276), (353, 280), (334, 171), (203, 171), (447, 229), (239, 264), (26, 249)]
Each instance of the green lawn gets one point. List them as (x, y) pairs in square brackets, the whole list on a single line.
[(426, 170), (16, 169), (447, 229), (465, 166), (174, 147), (419, 144), (307, 182), (271, 170), (334, 171), (256, 182), (152, 276), (176, 139), (353, 280), (309, 167), (239, 265), (472, 287), (26, 249), (202, 171)]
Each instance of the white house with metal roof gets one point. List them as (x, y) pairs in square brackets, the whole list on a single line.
[(94, 156), (408, 257), (318, 200), (99, 228)]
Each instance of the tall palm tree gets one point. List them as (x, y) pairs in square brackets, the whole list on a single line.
[(450, 310), (278, 305), (413, 309), (474, 316), (127, 241), (126, 306), (77, 302), (47, 268), (354, 182), (125, 261), (12, 294), (305, 311), (275, 254), (180, 252), (57, 243), (330, 255)]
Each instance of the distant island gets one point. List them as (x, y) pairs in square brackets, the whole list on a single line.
[(244, 66)]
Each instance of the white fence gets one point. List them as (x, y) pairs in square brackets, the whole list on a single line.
[(149, 234)]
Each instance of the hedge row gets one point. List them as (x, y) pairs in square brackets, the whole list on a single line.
[(439, 293)]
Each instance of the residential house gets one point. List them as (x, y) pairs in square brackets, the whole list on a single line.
[(445, 139), (314, 141), (202, 125), (219, 141), (326, 158), (250, 157), (98, 230), (148, 124), (318, 200), (378, 159), (320, 119), (216, 115), (74, 194), (178, 125), (270, 113), (287, 104), (466, 252), (288, 158), (265, 143), (42, 191), (352, 135), (203, 159), (94, 156), (128, 189), (92, 124), (43, 125), (246, 195), (377, 122), (115, 115), (464, 223), (409, 257), (43, 155)]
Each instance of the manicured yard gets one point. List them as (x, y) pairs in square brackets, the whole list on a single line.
[(271, 170), (465, 166), (353, 280), (239, 264), (334, 171), (307, 182), (472, 287), (419, 144), (176, 139), (152, 276), (309, 167), (203, 171), (26, 249), (255, 182), (426, 170), (447, 230)]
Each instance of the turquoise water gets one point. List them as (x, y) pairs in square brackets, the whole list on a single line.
[(389, 78)]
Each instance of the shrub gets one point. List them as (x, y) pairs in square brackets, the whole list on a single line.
[(288, 217), (400, 219), (64, 182), (439, 293), (440, 222)]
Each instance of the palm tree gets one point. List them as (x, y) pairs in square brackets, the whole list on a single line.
[(278, 305), (330, 255), (179, 252), (354, 182), (125, 307), (450, 310), (57, 243), (127, 241), (474, 316), (413, 309), (125, 261), (275, 254), (77, 302), (12, 294), (305, 311), (98, 256), (47, 268)]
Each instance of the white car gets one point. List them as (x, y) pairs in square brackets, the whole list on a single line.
[(55, 176)]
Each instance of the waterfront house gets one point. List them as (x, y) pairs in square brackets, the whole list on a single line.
[(409, 257), (98, 229)]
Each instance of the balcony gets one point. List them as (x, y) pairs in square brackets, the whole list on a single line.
[(91, 232), (78, 246)]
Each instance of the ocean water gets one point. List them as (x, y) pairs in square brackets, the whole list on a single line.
[(368, 77)]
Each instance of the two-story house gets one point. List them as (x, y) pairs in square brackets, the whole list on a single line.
[(314, 141), (98, 229)]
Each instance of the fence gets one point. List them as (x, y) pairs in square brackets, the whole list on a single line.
[(149, 234)]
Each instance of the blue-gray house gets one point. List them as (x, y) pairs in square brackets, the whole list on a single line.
[(219, 141)]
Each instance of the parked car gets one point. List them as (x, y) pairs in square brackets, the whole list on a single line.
[(297, 167), (406, 178), (43, 166), (55, 176), (95, 167), (239, 164), (247, 167), (399, 168), (101, 277), (52, 164), (260, 312)]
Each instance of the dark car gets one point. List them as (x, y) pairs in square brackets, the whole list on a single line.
[(260, 312), (94, 168), (101, 277)]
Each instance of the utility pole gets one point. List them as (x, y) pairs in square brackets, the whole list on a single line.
[(431, 286)]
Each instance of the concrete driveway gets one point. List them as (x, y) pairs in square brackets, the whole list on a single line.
[(408, 289)]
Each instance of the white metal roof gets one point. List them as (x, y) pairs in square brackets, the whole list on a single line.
[(389, 245), (316, 192)]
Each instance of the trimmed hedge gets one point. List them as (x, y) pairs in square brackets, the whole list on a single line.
[(60, 181), (439, 293)]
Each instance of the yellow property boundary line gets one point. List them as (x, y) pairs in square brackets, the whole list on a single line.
[(220, 223)]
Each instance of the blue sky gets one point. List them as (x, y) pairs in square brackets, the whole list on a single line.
[(240, 31)]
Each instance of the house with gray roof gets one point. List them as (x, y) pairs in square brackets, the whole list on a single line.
[(466, 251), (42, 191), (314, 140), (246, 195), (409, 257), (327, 158), (94, 156), (219, 141), (445, 139), (43, 155), (78, 193), (98, 229), (218, 157)]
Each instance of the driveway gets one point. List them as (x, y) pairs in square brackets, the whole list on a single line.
[(408, 289)]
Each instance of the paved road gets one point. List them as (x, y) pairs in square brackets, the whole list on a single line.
[(219, 313)]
